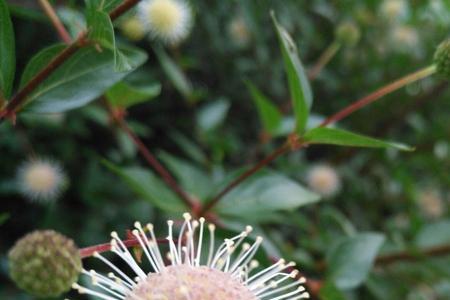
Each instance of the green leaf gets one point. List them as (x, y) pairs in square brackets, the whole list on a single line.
[(433, 235), (149, 187), (329, 291), (333, 136), (102, 5), (351, 259), (269, 114), (101, 30), (124, 95), (265, 193), (73, 20), (189, 147), (192, 179), (78, 81), (175, 74), (213, 114), (39, 61), (299, 86), (7, 51)]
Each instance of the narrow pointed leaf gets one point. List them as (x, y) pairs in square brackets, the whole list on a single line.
[(124, 95), (299, 86), (174, 73), (268, 113), (339, 137), (148, 187)]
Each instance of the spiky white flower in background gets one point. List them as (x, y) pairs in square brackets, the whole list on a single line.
[(404, 37), (167, 20), (41, 180), (239, 32), (194, 273), (431, 203), (393, 10), (324, 180)]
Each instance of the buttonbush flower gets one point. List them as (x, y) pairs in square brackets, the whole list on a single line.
[(431, 203), (44, 263), (393, 9), (41, 180), (167, 20), (133, 28), (324, 180), (239, 31), (195, 269)]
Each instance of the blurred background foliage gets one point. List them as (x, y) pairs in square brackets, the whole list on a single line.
[(194, 110)]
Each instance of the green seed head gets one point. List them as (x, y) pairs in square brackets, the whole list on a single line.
[(348, 34), (442, 59), (44, 263)]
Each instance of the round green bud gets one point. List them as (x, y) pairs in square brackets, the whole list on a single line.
[(44, 263), (348, 34), (442, 59)]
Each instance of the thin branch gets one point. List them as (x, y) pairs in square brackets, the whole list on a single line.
[(271, 157), (50, 12), (323, 60), (425, 72), (151, 159), (413, 256), (19, 99)]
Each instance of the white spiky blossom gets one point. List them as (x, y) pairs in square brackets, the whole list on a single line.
[(324, 180), (239, 31), (393, 10), (431, 203), (166, 20), (41, 180), (196, 270)]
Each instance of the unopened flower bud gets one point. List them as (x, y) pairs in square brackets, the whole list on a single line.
[(44, 263), (442, 59), (348, 34)]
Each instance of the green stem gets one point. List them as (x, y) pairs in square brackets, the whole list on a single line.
[(324, 59)]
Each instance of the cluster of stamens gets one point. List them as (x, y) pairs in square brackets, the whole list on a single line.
[(192, 269)]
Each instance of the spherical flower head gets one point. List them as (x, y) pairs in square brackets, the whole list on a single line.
[(41, 180), (188, 282), (194, 269), (239, 32), (393, 10), (431, 203), (44, 263), (167, 20), (442, 59), (348, 34), (133, 29), (405, 37), (324, 180)]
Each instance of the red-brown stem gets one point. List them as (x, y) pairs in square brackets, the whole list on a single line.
[(281, 150), (50, 12), (151, 159), (323, 60), (410, 256), (14, 105), (89, 251), (425, 72)]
